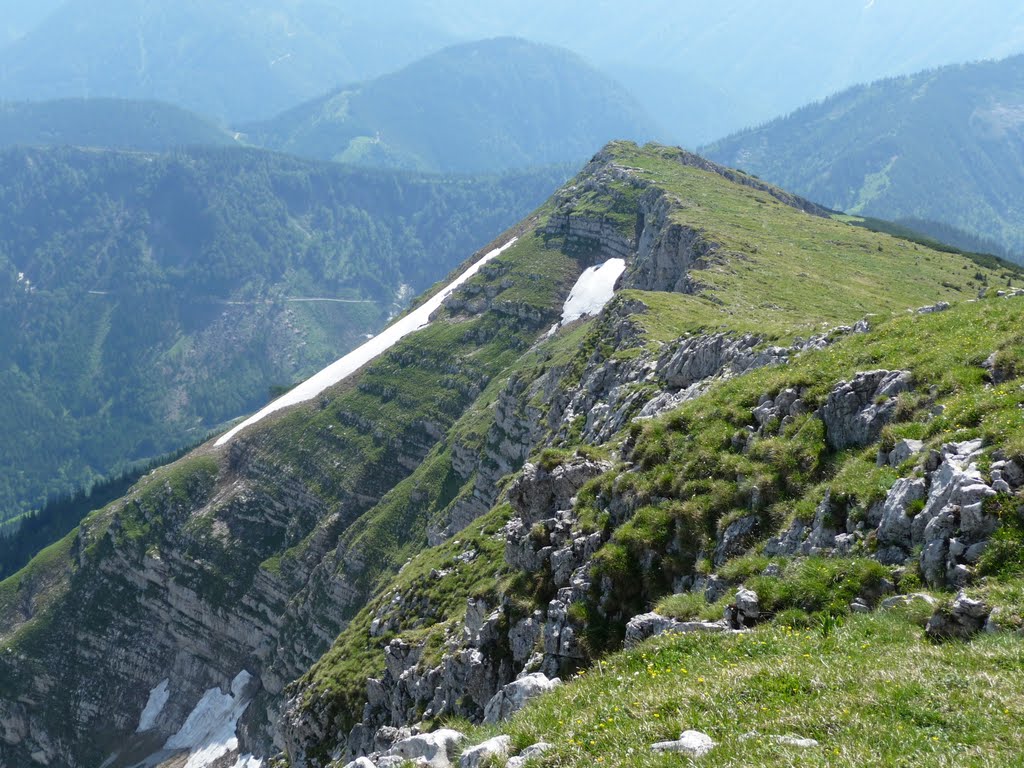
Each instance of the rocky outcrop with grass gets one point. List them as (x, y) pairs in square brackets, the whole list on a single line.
[(500, 503)]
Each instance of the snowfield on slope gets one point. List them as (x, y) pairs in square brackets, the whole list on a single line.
[(157, 699), (209, 732), (592, 291), (357, 358)]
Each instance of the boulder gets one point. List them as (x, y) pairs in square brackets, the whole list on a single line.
[(895, 528), (538, 493), (735, 538), (855, 411), (1009, 471), (789, 542), (523, 637), (536, 750), (435, 750), (954, 519), (690, 743), (745, 610), (477, 756), (514, 696), (900, 601), (903, 450), (964, 618), (648, 625), (361, 762)]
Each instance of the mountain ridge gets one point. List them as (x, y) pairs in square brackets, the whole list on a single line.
[(147, 126), (488, 497)]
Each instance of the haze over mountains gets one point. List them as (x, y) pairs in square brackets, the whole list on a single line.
[(501, 103), (226, 59), (111, 123), (701, 70)]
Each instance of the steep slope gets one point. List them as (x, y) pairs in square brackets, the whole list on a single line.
[(941, 148), (157, 296), (111, 123), (484, 106), (391, 527), (227, 59)]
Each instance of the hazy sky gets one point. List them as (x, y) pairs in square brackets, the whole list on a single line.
[(701, 68)]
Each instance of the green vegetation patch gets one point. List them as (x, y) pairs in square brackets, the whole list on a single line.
[(874, 692), (691, 477), (780, 269)]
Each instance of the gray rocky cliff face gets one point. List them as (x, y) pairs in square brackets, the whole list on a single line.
[(175, 588), (495, 661), (940, 512), (856, 411)]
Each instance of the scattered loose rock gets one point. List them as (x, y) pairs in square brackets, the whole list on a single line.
[(788, 741), (964, 618), (474, 757), (648, 625), (794, 741), (435, 750), (902, 600), (536, 750), (514, 696), (692, 743)]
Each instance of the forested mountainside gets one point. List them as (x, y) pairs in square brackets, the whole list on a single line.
[(490, 508), (109, 123), (149, 298), (483, 106), (940, 149)]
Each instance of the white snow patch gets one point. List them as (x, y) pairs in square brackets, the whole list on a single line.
[(248, 761), (157, 699), (357, 358), (593, 290), (209, 732)]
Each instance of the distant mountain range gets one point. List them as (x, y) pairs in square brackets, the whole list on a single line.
[(701, 69), (147, 298), (226, 58), (941, 150), (481, 106), (109, 123)]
